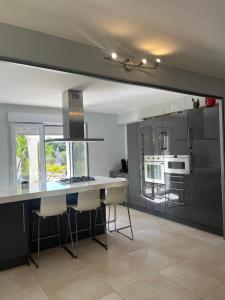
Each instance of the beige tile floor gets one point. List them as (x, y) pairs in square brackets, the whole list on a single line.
[(165, 261)]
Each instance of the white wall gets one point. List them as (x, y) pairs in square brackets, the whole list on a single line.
[(104, 156), (179, 104)]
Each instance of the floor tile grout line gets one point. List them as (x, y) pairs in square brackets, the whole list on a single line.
[(213, 291), (102, 279), (44, 292), (201, 297), (178, 284), (172, 265), (141, 277)]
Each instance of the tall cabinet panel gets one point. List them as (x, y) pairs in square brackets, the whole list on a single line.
[(203, 125), (205, 202), (152, 136), (175, 134), (152, 145), (134, 165)]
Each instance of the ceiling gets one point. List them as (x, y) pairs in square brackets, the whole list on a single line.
[(26, 85), (186, 34)]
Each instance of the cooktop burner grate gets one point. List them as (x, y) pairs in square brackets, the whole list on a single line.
[(77, 179)]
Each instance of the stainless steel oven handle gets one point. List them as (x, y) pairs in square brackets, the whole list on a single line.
[(180, 190), (176, 176)]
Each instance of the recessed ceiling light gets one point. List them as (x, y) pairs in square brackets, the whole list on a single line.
[(144, 61), (158, 60)]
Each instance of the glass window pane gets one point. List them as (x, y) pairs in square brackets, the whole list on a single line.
[(56, 159), (79, 159), (27, 155)]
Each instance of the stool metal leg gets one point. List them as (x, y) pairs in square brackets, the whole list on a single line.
[(71, 236), (96, 215), (76, 215), (90, 220), (131, 228), (105, 229), (38, 254), (109, 217), (32, 238), (115, 216), (36, 263), (33, 229), (69, 232), (39, 238), (67, 229), (58, 225), (121, 228)]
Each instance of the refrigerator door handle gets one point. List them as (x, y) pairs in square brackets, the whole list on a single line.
[(191, 162), (189, 139), (165, 140), (161, 141)]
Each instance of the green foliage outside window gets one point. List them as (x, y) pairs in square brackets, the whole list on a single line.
[(22, 155), (56, 156)]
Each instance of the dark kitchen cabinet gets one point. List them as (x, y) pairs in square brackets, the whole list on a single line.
[(194, 199), (175, 134), (203, 123), (205, 205), (14, 236), (152, 136), (177, 195), (204, 131), (166, 135), (134, 165), (197, 201), (156, 197)]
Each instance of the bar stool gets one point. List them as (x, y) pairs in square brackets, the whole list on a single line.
[(87, 202), (52, 206), (115, 196)]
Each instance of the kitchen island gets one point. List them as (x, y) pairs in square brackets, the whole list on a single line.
[(16, 205)]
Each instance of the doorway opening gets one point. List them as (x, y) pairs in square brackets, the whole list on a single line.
[(172, 141)]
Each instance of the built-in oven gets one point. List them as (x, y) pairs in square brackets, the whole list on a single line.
[(177, 164), (154, 169)]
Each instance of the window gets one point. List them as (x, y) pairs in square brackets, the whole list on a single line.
[(35, 161), (80, 160), (56, 155), (27, 153)]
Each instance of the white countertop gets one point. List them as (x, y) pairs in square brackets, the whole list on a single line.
[(14, 194)]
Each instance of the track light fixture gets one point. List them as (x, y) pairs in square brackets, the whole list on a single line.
[(129, 65)]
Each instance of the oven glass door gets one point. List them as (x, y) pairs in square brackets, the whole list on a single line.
[(154, 172)]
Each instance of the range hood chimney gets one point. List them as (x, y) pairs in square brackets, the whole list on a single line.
[(73, 119)]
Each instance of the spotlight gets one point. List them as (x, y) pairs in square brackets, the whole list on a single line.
[(114, 55), (131, 64)]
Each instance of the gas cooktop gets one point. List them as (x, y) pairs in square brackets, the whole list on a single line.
[(77, 179)]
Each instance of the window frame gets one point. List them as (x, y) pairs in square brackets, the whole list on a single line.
[(13, 127), (41, 128)]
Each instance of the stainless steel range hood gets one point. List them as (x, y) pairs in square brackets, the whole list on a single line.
[(73, 119)]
